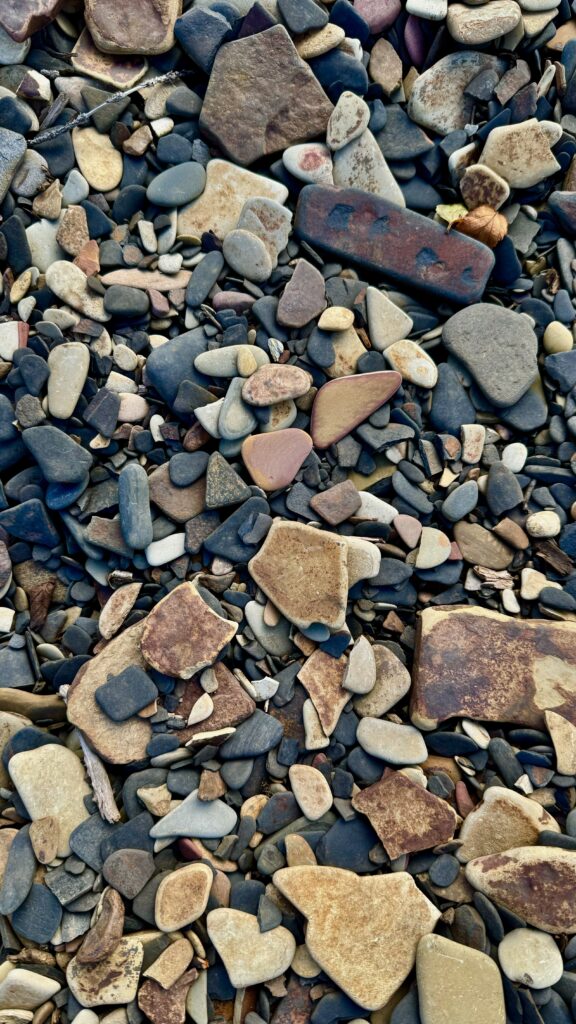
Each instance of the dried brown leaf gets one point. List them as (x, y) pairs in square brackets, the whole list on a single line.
[(484, 224)]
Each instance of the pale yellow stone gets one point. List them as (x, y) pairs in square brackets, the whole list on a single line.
[(50, 782), (457, 984), (312, 792), (219, 207), (98, 160), (250, 956), (501, 821), (563, 735)]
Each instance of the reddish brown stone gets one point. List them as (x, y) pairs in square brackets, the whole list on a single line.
[(388, 239), (304, 296), (178, 503), (296, 1006), (341, 404), (166, 1006), (262, 97), (274, 459), (337, 503), (275, 383), (405, 816), (133, 26), (537, 883), (100, 940), (232, 704), (182, 635), (21, 18), (477, 663)]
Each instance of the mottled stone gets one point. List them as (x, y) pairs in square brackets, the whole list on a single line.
[(361, 165), (521, 153), (412, 362), (23, 19), (262, 97), (389, 240), (274, 459), (113, 981), (182, 897), (322, 676), (475, 26), (516, 669), (438, 100), (34, 772), (536, 883), (481, 186), (362, 931), (338, 503), (275, 383), (503, 820), (348, 120), (182, 634), (405, 816), (136, 26)]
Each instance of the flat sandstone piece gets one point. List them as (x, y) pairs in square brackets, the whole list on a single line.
[(183, 635), (457, 984), (515, 669), (534, 882)]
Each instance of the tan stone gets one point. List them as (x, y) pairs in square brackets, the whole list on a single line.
[(303, 572), (457, 984), (344, 403), (106, 931), (250, 956), (98, 160), (45, 838), (182, 634), (117, 607), (311, 790), (219, 207), (336, 318), (35, 774), (534, 882), (299, 852), (182, 897), (321, 676), (156, 799), (120, 71), (385, 66), (563, 735), (363, 931), (347, 351), (9, 725), (133, 277), (7, 836), (322, 40), (117, 742), (502, 821), (135, 26), (392, 683), (275, 383), (72, 234), (515, 669), (112, 981), (405, 816)]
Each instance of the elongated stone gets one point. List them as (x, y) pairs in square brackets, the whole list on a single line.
[(34, 773), (134, 503), (536, 883), (68, 365), (387, 239)]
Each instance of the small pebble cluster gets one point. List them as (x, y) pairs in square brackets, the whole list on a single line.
[(287, 512)]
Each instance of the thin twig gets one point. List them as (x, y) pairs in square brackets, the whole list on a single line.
[(82, 119)]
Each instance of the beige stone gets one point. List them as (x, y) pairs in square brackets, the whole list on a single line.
[(360, 674), (503, 820), (321, 676), (412, 362), (535, 882), (112, 981), (50, 781), (363, 931), (68, 364), (322, 40), (392, 683), (530, 958), (475, 26), (136, 26), (69, 283), (250, 956), (312, 792), (117, 607), (45, 838), (219, 207), (183, 635), (98, 160), (182, 897), (521, 153), (563, 735), (457, 984), (24, 990), (6, 839)]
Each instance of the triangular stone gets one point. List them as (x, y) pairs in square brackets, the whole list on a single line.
[(223, 485), (345, 402)]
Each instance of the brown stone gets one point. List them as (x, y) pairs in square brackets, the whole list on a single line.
[(338, 503), (303, 298), (481, 547), (182, 897), (502, 821), (88, 259), (72, 234), (232, 704), (45, 838), (212, 786), (128, 871), (106, 932), (296, 1006), (134, 26), (405, 816), (7, 836), (117, 742), (362, 931), (49, 202), (132, 277), (121, 72), (274, 383), (322, 676), (392, 683), (178, 503), (182, 635), (117, 607), (166, 1006), (304, 573), (274, 459), (262, 97), (112, 981), (171, 963), (536, 883), (511, 533), (385, 66), (341, 404), (515, 669), (25, 17)]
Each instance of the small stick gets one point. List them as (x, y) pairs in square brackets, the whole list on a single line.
[(82, 119)]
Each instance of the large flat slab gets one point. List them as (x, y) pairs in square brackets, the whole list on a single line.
[(388, 239)]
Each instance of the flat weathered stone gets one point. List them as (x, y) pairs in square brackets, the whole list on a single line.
[(262, 97), (457, 983), (178, 503), (502, 821), (220, 206), (275, 383), (362, 931), (343, 403), (136, 26), (182, 634), (536, 883), (521, 152), (480, 546), (322, 676), (405, 816), (106, 932), (182, 897), (387, 239), (171, 963), (250, 956), (166, 1006), (273, 460), (438, 99), (304, 573), (23, 19), (50, 781), (515, 669), (112, 981), (392, 683)]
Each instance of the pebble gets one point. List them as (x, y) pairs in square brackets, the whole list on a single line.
[(177, 185), (396, 744), (311, 790), (247, 254), (250, 956), (25, 990), (196, 818), (182, 896), (220, 205), (309, 161), (33, 772), (415, 365), (404, 815), (303, 298), (514, 874), (455, 979), (521, 154), (112, 981), (360, 164), (530, 958), (98, 160), (273, 460), (477, 26)]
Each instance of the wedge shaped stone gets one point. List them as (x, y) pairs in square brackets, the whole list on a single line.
[(343, 403)]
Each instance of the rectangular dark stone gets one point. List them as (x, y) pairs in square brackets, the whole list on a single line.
[(404, 246)]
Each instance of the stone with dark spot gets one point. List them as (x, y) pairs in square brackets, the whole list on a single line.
[(514, 668), (536, 883), (387, 239), (405, 816), (262, 97)]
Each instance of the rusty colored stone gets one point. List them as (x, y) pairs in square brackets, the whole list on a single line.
[(166, 1006), (514, 671), (273, 459), (537, 883), (404, 246), (404, 815), (296, 1006), (178, 503), (322, 676), (338, 503), (24, 17), (102, 937), (343, 403), (182, 635), (262, 97)]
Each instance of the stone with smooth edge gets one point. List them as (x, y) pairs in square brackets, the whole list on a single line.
[(223, 362), (13, 151), (304, 573), (198, 819), (395, 744), (360, 673), (521, 153), (392, 683), (563, 735), (303, 297), (534, 882), (342, 404), (322, 40), (311, 790), (390, 240), (457, 983), (274, 383), (502, 821), (535, 668), (270, 221), (177, 185), (113, 981), (34, 772), (480, 546), (171, 963), (309, 161), (250, 956), (23, 989), (405, 816), (138, 26), (220, 205), (412, 362), (362, 931), (262, 97), (530, 958), (70, 284), (273, 460), (348, 120), (481, 186), (98, 160), (338, 503), (247, 255), (182, 896), (22, 20), (438, 100), (68, 365), (322, 676), (182, 635), (387, 323), (360, 164), (475, 26)]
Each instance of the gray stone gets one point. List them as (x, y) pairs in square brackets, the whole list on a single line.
[(177, 185), (12, 151)]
